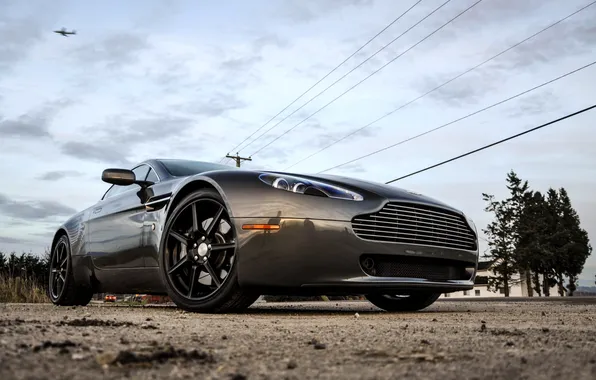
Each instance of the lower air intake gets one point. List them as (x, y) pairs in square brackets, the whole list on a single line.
[(416, 267)]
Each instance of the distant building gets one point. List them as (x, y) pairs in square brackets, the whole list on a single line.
[(517, 287)]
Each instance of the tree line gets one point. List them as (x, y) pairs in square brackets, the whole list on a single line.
[(26, 265), (536, 237)]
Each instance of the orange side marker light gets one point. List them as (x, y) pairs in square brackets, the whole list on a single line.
[(260, 226)]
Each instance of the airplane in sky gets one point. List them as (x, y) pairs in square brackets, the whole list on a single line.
[(64, 32)]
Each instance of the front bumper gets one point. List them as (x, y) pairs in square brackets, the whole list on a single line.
[(316, 255)]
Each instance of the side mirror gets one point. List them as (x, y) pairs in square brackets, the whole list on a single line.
[(120, 177)]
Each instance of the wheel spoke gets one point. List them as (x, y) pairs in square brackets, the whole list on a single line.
[(62, 278), (56, 258), (62, 251), (178, 265), (211, 271), (222, 247), (193, 280), (54, 281), (63, 263), (179, 237), (215, 221), (195, 220)]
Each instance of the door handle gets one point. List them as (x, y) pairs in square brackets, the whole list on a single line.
[(96, 210)]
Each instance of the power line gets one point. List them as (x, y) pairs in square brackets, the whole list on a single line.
[(367, 77), (349, 72), (495, 143), (440, 86), (335, 68), (461, 118)]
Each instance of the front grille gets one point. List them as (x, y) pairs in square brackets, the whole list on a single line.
[(432, 269), (411, 223)]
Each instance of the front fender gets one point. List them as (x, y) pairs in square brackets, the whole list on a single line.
[(75, 230), (192, 183), (246, 196)]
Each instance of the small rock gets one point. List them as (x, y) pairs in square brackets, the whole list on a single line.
[(106, 358), (424, 341), (356, 315), (543, 314), (545, 329), (292, 364), (524, 360), (320, 346), (509, 344), (435, 320), (123, 340), (483, 327), (224, 337), (77, 356)]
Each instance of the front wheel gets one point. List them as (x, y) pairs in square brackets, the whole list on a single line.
[(410, 302), (198, 256)]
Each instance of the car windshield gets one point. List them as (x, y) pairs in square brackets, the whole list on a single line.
[(182, 168)]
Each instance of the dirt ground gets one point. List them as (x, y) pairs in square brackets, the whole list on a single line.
[(330, 340)]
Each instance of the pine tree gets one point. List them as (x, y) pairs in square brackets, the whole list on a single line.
[(501, 248), (554, 261), (576, 249), (519, 195), (532, 249)]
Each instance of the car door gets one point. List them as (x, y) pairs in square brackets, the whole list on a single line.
[(116, 226)]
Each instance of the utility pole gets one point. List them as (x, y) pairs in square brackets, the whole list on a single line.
[(237, 158)]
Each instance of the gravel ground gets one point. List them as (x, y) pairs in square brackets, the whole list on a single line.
[(346, 340)]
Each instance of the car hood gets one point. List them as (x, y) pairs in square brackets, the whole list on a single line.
[(381, 189)]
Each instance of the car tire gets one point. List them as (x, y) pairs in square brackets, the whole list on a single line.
[(62, 287), (413, 302), (229, 297)]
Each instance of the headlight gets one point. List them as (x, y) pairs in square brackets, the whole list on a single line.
[(308, 187)]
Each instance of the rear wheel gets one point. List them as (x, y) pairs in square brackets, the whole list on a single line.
[(62, 288), (198, 256), (409, 302)]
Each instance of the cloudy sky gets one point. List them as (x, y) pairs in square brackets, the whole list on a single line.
[(187, 79)]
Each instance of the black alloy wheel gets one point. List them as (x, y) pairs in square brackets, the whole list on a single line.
[(198, 255), (59, 265), (62, 288)]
